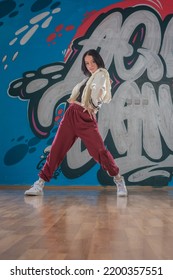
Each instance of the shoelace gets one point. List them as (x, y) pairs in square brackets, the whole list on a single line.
[(36, 187), (120, 185)]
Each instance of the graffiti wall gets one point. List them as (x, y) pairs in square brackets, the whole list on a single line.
[(42, 44)]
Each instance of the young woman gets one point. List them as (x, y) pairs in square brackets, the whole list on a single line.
[(79, 120)]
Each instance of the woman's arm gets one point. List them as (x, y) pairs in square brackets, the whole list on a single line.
[(98, 90)]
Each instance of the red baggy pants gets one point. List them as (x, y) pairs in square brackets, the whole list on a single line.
[(77, 123)]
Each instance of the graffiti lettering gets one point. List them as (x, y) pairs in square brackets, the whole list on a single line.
[(141, 111)]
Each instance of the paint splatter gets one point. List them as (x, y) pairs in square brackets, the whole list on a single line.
[(20, 150), (59, 32), (26, 32)]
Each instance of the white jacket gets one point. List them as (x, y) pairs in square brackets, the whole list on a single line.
[(97, 90)]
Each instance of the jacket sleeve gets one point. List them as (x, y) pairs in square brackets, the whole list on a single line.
[(75, 91), (98, 90)]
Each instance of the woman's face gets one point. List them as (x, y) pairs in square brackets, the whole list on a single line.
[(90, 64)]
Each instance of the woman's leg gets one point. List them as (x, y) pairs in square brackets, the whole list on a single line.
[(64, 139), (96, 148)]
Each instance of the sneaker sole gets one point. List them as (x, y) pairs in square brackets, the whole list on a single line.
[(33, 194), (122, 195)]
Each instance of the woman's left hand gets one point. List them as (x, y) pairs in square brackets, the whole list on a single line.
[(90, 112)]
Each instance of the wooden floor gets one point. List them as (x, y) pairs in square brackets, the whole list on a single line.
[(86, 224)]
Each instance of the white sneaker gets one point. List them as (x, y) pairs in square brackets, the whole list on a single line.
[(36, 189), (121, 187)]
